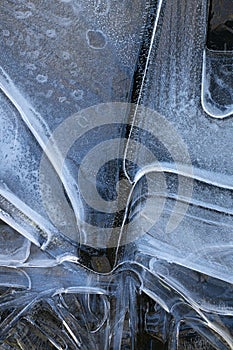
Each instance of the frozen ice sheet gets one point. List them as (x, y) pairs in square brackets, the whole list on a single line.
[(116, 177)]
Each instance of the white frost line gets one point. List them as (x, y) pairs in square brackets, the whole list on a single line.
[(24, 109), (159, 6), (149, 52), (19, 228), (30, 214), (216, 179), (39, 129)]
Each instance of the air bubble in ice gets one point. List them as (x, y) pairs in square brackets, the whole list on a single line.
[(65, 55), (41, 78), (62, 99), (96, 39), (77, 94)]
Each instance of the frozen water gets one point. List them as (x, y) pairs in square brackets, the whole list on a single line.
[(116, 177)]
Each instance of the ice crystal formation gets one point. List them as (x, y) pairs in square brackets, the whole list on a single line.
[(116, 174)]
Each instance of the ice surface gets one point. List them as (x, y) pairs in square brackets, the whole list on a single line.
[(116, 177)]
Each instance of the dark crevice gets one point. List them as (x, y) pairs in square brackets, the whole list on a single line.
[(140, 68), (220, 25)]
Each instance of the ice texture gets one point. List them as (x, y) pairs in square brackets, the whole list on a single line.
[(116, 178)]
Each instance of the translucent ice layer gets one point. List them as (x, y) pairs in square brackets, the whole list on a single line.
[(116, 175)]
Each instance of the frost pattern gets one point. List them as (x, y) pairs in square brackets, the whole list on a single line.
[(116, 185)]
